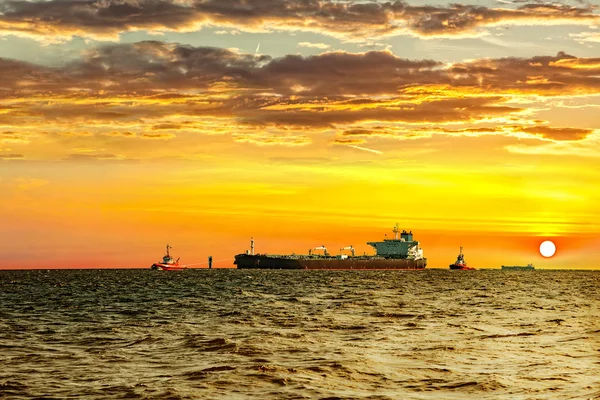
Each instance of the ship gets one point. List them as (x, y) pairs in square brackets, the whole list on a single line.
[(528, 267), (399, 253), (167, 264), (460, 263)]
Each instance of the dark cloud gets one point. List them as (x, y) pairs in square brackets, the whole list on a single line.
[(160, 136), (344, 73), (458, 18), (548, 132), (166, 127), (446, 110), (366, 132), (348, 141), (148, 68), (352, 19), (473, 130), (131, 85), (559, 133)]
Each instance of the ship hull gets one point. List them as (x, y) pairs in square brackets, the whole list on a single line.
[(258, 261), (166, 267), (459, 267)]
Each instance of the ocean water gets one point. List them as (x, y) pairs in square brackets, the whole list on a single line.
[(239, 334)]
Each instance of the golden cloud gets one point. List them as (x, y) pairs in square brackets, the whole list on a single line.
[(12, 156), (559, 133), (588, 147), (96, 157), (158, 136), (271, 139), (166, 87)]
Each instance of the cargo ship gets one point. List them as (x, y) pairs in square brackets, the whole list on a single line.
[(167, 264), (527, 267), (460, 263), (401, 253)]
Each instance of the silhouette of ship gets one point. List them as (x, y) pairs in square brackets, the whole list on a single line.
[(527, 267), (399, 253)]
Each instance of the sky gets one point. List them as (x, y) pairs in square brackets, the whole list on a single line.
[(129, 124)]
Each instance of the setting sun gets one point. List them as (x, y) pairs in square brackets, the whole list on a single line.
[(547, 248)]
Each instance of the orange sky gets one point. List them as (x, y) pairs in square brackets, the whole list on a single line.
[(471, 126)]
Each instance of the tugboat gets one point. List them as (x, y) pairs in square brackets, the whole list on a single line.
[(460, 262), (167, 263)]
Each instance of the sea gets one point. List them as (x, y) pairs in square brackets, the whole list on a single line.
[(305, 334)]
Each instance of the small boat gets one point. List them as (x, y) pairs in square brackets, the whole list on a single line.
[(460, 263), (167, 263)]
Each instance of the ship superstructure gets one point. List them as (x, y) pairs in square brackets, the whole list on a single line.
[(399, 253), (400, 248)]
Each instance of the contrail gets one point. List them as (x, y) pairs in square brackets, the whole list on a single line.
[(365, 149), (257, 48)]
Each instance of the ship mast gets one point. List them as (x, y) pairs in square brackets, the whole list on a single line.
[(396, 230), (168, 247)]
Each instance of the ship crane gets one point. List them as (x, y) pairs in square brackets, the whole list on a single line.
[(319, 248), (348, 248)]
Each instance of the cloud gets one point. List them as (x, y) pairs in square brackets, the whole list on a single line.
[(576, 63), (166, 126), (160, 88), (272, 139), (586, 37), (126, 134), (588, 147), (13, 137), (72, 134), (96, 157), (54, 20), (158, 136), (166, 71), (347, 141), (321, 46), (559, 133), (391, 131), (437, 111), (13, 156)]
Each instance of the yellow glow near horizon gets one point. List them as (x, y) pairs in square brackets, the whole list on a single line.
[(216, 143)]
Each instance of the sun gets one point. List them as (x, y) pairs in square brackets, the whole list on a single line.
[(547, 248)]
